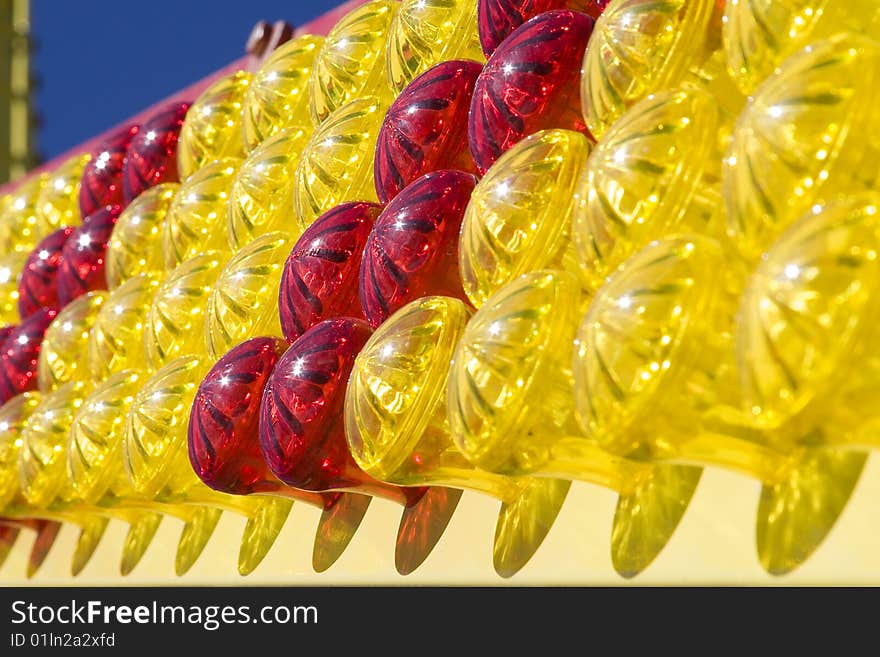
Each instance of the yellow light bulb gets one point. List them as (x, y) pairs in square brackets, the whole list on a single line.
[(175, 324), (58, 200), (511, 412), (261, 198), (807, 325), (653, 173), (351, 60), (337, 163), (759, 36), (38, 429), (424, 33), (641, 47), (11, 265), (135, 246), (50, 492), (395, 424), (244, 300), (154, 451), (154, 437), (520, 213), (64, 352), (805, 348), (13, 415), (808, 134), (116, 340), (656, 379), (42, 464), (277, 97), (196, 219), (22, 226), (93, 454), (212, 128)]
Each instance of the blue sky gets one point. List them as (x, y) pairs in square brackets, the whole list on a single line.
[(102, 61)]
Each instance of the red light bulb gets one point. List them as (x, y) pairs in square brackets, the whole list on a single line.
[(37, 286), (496, 19), (223, 433), (412, 250), (20, 352), (84, 254), (225, 452), (320, 278), (531, 83), (151, 158), (302, 433), (425, 129), (101, 182)]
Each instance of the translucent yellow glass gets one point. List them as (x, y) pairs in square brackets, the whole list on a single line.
[(196, 219), (94, 460), (395, 423), (808, 333), (640, 47), (337, 164), (116, 340), (351, 60), (11, 265), (64, 354), (277, 97), (154, 450), (42, 464), (519, 342), (808, 133), (212, 129), (244, 301), (261, 198), (651, 173), (154, 436), (424, 33), (806, 350), (511, 412), (520, 213), (656, 379), (175, 324), (48, 489), (58, 201), (45, 490), (662, 317), (760, 34), (135, 246), (21, 225), (13, 415), (93, 455)]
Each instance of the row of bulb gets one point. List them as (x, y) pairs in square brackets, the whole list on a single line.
[(622, 248)]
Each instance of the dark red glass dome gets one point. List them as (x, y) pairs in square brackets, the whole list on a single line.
[(320, 278), (223, 433), (531, 83), (101, 182), (302, 432), (151, 158), (412, 250), (84, 255), (425, 128), (496, 19), (20, 353), (38, 283)]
